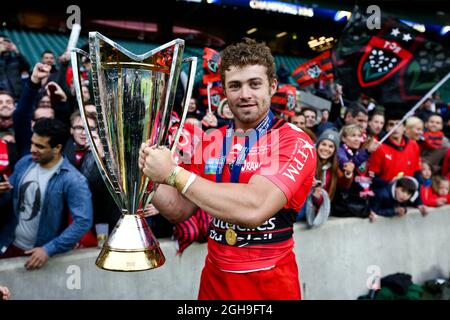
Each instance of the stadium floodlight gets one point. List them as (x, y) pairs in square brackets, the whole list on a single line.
[(445, 30)]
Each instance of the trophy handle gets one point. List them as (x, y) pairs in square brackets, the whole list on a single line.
[(190, 85), (74, 55)]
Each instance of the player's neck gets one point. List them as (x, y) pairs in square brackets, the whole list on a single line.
[(241, 126)]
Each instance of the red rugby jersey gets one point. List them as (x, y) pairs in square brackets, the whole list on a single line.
[(391, 159)]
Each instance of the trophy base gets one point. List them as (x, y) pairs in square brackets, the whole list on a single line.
[(131, 246), (130, 260)]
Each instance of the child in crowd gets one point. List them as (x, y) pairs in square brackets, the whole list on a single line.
[(435, 190), (352, 158), (394, 199), (350, 150)]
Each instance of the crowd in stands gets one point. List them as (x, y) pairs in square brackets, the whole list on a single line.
[(52, 193)]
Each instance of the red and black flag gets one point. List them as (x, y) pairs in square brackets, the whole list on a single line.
[(395, 65), (211, 62), (211, 75), (314, 70), (284, 100)]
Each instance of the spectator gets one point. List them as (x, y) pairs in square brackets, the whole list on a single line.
[(8, 158), (414, 129), (79, 153), (436, 194), (398, 155), (352, 199), (435, 144), (7, 108), (337, 108), (376, 125), (311, 118), (324, 124), (298, 120), (283, 74), (357, 114), (328, 173), (325, 116), (425, 110), (85, 95), (426, 191), (48, 58), (42, 187), (44, 102), (12, 67), (224, 114), (91, 109), (42, 113), (58, 101), (394, 198), (193, 111), (350, 149), (85, 68), (23, 114), (8, 137), (77, 145)]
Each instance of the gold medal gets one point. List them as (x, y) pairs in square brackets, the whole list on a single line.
[(231, 237)]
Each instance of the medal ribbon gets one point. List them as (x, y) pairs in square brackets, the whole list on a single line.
[(265, 125)]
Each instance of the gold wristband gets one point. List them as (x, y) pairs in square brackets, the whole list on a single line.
[(173, 175)]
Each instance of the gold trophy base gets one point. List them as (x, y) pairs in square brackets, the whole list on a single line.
[(131, 247), (127, 260)]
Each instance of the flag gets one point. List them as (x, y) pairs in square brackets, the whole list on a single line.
[(314, 70), (211, 62), (211, 74), (395, 65), (216, 95), (284, 100)]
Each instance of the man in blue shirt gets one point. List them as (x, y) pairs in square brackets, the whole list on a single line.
[(44, 188)]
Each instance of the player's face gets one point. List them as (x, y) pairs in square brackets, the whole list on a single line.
[(249, 94)]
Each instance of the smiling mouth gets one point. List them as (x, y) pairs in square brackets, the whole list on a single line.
[(246, 106)]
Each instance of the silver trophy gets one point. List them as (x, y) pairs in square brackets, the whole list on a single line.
[(134, 97)]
